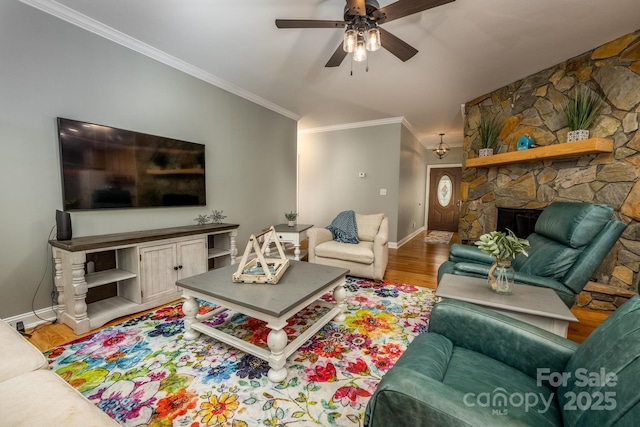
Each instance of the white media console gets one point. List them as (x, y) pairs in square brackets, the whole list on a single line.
[(136, 270)]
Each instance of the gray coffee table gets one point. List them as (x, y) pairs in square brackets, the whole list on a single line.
[(302, 284), (537, 306)]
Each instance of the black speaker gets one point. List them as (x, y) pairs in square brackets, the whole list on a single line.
[(63, 225)]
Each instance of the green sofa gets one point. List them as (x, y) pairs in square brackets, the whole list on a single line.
[(476, 367), (568, 245)]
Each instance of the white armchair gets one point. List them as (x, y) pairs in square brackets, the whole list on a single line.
[(365, 259)]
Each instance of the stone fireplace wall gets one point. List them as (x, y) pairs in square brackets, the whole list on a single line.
[(533, 106)]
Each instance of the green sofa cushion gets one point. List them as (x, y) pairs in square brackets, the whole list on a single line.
[(574, 224), (613, 348), (503, 386), (547, 258), (429, 385)]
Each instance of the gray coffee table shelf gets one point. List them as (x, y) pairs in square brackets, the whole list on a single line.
[(537, 306), (301, 285)]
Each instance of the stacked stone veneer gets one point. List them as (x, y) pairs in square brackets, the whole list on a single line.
[(533, 106)]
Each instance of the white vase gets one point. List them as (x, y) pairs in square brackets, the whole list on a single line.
[(577, 135), (291, 223), (484, 152)]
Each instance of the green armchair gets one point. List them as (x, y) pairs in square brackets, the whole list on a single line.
[(568, 245), (476, 367)]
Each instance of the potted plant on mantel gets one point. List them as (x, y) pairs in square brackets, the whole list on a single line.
[(580, 113), (488, 131)]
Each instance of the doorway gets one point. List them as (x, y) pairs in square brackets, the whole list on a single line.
[(443, 197)]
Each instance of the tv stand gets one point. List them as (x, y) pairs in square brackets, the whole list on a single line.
[(141, 267)]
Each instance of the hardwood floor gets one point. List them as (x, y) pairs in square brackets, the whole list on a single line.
[(415, 262)]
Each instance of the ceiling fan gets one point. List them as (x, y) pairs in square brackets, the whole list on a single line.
[(362, 33)]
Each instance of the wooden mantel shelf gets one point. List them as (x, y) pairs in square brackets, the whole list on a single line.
[(555, 151)]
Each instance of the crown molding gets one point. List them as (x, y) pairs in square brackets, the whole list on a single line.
[(355, 125), (78, 19), (380, 122)]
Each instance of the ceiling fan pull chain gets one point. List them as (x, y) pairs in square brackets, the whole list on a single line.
[(367, 68), (352, 65)]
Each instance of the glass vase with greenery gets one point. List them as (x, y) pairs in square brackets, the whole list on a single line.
[(505, 247), (580, 112)]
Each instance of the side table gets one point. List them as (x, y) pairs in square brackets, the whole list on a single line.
[(294, 234), (538, 306)]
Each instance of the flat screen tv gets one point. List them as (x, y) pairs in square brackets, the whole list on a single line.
[(109, 168)]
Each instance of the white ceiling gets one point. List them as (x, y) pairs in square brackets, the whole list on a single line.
[(466, 49)]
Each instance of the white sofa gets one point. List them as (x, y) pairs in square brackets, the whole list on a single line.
[(365, 259), (33, 395)]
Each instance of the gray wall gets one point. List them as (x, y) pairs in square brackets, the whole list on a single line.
[(50, 68), (328, 180), (412, 184), (392, 158)]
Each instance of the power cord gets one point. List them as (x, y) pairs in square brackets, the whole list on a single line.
[(53, 291)]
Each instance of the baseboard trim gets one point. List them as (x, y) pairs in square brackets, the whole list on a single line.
[(31, 319), (409, 237)]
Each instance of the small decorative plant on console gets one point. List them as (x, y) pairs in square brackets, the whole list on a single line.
[(505, 247), (291, 218), (580, 113), (202, 219), (217, 216)]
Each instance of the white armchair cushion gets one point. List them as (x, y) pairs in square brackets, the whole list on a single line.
[(368, 226), (361, 252), (42, 398), (17, 355)]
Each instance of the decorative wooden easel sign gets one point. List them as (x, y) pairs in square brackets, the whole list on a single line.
[(261, 269)]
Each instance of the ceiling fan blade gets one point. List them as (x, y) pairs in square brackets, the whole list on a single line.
[(337, 57), (308, 23), (356, 7), (403, 8), (396, 46)]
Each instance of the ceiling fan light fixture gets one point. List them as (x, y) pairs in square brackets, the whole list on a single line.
[(442, 149), (350, 40), (373, 39), (360, 53)]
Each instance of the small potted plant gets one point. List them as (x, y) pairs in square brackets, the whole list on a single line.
[(580, 113), (488, 131), (505, 247), (291, 218)]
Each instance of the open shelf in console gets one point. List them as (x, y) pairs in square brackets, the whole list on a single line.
[(100, 278), (215, 252), (103, 311), (218, 250)]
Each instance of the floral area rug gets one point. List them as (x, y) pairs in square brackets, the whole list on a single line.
[(144, 373), (438, 237)]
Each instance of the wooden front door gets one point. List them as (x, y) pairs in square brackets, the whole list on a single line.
[(444, 197)]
